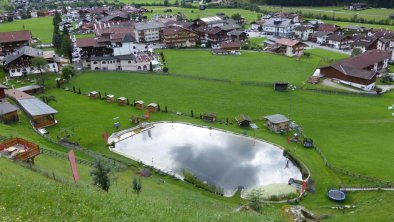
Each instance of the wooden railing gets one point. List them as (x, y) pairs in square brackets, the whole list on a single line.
[(44, 124), (32, 148)]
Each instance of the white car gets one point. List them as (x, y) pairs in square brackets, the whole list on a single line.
[(42, 131)]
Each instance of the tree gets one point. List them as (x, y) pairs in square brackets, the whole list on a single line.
[(165, 69), (56, 38), (100, 176), (165, 2), (255, 199), (356, 52), (66, 47), (41, 64), (237, 17), (67, 72), (56, 18), (150, 67), (137, 185)]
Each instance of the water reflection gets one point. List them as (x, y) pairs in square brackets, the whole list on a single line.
[(224, 159)]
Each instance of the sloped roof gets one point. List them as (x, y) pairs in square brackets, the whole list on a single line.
[(287, 42), (30, 87), (174, 30), (208, 30), (36, 107), (278, 22), (327, 28), (128, 38), (276, 118), (16, 36), (25, 50), (86, 42), (225, 45), (7, 107), (148, 25)]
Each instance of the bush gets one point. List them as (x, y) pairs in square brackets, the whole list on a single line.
[(255, 199), (100, 176), (165, 69)]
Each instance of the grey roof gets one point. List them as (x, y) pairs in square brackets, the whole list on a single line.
[(106, 58), (36, 107), (284, 22), (3, 86), (229, 27), (30, 87), (321, 34), (148, 25), (276, 118), (128, 38), (7, 107), (25, 50)]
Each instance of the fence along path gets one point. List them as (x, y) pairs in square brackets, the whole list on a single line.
[(366, 188)]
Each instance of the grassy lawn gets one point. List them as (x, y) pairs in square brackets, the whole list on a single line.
[(193, 13), (40, 27), (374, 26), (250, 66), (339, 12), (81, 36)]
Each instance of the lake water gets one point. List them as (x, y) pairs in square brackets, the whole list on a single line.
[(224, 159)]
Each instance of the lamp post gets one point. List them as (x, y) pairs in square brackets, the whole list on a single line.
[(291, 88)]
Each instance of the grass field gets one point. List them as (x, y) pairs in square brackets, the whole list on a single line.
[(344, 127), (339, 12), (41, 28), (193, 13), (250, 66)]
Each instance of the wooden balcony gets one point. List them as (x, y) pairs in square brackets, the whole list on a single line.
[(19, 149)]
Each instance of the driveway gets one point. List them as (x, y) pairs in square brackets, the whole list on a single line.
[(312, 45)]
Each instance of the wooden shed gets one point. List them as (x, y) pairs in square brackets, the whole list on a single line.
[(208, 117), (122, 101), (277, 123), (139, 104), (93, 95), (8, 113), (243, 120), (110, 98), (152, 107), (32, 89)]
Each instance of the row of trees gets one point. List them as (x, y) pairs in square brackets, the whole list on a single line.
[(61, 40)]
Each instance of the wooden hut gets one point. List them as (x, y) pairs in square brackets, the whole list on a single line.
[(152, 107), (139, 104), (208, 117), (137, 119), (8, 113), (93, 95), (110, 98), (122, 101), (32, 89), (277, 123), (243, 120)]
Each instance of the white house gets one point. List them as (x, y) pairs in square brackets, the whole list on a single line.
[(339, 41), (148, 31), (303, 32), (138, 62), (278, 26), (19, 63), (127, 47)]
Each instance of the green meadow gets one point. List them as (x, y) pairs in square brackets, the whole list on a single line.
[(41, 28)]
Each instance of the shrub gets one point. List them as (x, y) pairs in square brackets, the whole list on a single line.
[(165, 69)]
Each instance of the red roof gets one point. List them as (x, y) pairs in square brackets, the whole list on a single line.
[(173, 30), (287, 42), (327, 28), (226, 45), (16, 36), (86, 42)]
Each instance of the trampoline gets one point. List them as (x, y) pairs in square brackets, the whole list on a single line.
[(336, 195)]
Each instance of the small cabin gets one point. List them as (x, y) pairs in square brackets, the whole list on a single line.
[(281, 86), (208, 117), (137, 119), (110, 98), (153, 107), (122, 101), (277, 123), (93, 95), (243, 120), (139, 104), (8, 113)]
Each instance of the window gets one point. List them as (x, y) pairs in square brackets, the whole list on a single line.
[(94, 62), (103, 62), (129, 61)]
